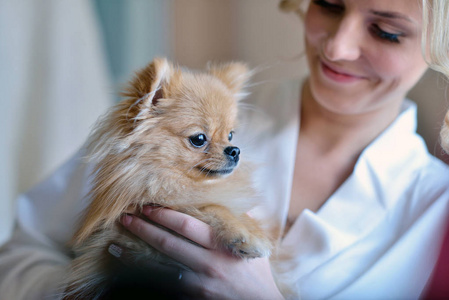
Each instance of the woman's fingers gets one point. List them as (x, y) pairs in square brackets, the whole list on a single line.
[(215, 271), (179, 249), (185, 225)]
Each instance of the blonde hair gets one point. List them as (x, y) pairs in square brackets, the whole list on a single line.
[(435, 34), (435, 46)]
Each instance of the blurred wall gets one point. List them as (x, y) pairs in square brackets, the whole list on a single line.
[(54, 84), (432, 96), (254, 31), (133, 33)]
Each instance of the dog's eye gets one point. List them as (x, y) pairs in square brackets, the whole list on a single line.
[(231, 135), (198, 140)]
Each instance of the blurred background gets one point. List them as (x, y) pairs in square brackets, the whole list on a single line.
[(63, 62)]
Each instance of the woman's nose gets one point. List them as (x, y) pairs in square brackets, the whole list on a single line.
[(344, 42)]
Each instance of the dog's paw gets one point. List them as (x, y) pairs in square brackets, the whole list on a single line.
[(248, 246)]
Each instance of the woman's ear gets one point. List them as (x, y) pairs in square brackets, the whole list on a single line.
[(235, 75), (146, 87)]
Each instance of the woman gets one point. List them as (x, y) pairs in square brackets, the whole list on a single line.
[(357, 198)]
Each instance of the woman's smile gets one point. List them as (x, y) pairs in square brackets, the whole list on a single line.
[(338, 74)]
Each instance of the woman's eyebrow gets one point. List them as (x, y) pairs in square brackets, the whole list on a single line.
[(392, 15)]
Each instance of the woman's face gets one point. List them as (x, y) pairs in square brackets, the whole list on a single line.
[(363, 54)]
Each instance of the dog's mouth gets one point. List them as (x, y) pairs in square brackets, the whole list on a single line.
[(218, 172)]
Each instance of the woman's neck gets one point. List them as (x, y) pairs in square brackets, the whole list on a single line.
[(329, 145), (346, 134)]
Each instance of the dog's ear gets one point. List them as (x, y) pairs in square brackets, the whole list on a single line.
[(146, 88), (234, 74)]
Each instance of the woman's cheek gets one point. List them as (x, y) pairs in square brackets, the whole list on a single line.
[(314, 26), (391, 65)]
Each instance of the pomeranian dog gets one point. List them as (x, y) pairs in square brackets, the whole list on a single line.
[(169, 143)]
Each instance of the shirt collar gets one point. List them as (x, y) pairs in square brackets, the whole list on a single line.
[(381, 171)]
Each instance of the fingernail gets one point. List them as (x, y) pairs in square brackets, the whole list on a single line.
[(115, 250), (147, 209), (126, 220)]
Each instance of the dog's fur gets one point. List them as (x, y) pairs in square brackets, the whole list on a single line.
[(143, 155)]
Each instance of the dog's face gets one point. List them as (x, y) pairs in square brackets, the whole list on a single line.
[(198, 126), (185, 121)]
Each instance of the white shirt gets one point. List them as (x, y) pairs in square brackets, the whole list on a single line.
[(376, 237)]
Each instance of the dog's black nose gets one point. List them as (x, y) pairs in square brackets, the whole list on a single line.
[(232, 153)]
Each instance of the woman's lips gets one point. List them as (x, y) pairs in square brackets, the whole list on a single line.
[(338, 75)]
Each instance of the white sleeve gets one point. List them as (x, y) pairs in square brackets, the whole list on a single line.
[(33, 261)]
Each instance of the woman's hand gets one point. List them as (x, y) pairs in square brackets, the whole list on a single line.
[(216, 273)]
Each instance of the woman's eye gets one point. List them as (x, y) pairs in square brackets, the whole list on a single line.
[(198, 140), (389, 37), (231, 135), (335, 8)]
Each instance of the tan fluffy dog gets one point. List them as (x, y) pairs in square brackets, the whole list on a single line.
[(168, 144)]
